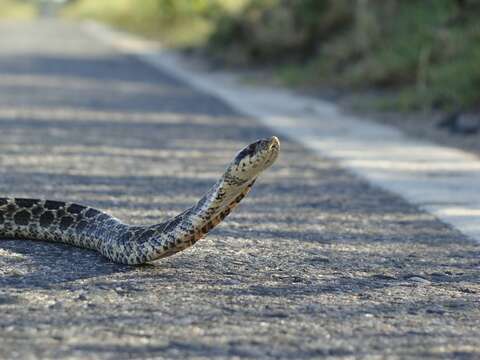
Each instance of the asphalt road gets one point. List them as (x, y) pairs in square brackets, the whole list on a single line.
[(314, 263)]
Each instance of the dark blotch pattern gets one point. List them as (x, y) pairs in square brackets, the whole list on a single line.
[(37, 210), (81, 225), (65, 222), (75, 209), (145, 236), (26, 203), (53, 205), (102, 218), (22, 217), (47, 219), (173, 223), (91, 213)]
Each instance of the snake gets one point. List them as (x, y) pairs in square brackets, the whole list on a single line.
[(90, 228)]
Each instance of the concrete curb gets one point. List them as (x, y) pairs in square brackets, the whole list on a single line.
[(441, 180)]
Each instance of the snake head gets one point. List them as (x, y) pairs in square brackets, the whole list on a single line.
[(253, 159)]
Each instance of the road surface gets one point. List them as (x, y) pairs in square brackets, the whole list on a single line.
[(314, 263)]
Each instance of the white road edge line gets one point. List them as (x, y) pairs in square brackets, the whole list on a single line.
[(441, 180)]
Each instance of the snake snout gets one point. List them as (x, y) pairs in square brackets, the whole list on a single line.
[(274, 143)]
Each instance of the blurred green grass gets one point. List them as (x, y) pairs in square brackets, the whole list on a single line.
[(177, 23), (415, 54), (419, 54), (17, 10)]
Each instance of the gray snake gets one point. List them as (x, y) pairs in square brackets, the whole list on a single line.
[(86, 227)]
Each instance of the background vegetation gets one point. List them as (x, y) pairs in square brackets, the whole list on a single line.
[(176, 22), (422, 53), (17, 10), (425, 53)]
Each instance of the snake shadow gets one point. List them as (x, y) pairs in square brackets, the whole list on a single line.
[(43, 264)]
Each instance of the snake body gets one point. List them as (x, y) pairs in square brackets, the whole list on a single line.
[(86, 227)]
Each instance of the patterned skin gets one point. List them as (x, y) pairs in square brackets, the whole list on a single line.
[(89, 228)]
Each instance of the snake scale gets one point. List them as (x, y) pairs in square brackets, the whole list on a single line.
[(86, 227)]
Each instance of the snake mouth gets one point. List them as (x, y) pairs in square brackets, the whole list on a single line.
[(273, 150), (274, 145), (274, 142)]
